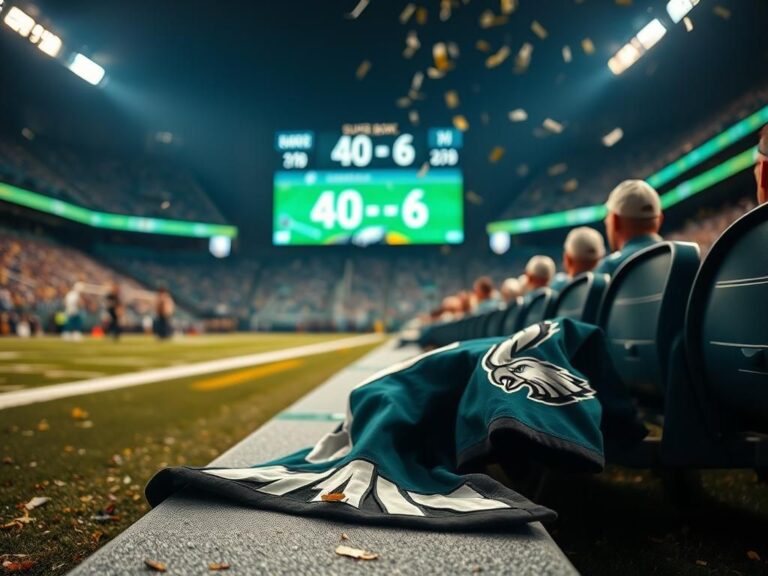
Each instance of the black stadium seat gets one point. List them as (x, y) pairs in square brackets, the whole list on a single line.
[(580, 299), (495, 323), (535, 307), (509, 322), (644, 310)]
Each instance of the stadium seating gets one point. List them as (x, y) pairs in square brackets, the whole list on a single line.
[(534, 308), (580, 299)]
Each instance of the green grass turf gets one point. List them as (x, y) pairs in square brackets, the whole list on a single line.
[(133, 432), (43, 361), (633, 522)]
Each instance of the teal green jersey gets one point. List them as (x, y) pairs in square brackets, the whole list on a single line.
[(414, 432), (611, 263)]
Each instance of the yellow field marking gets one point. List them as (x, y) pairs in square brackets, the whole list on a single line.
[(242, 376)]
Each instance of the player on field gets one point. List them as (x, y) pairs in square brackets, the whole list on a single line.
[(583, 249), (633, 222), (73, 327), (761, 168)]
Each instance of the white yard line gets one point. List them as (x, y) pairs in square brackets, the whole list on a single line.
[(66, 390)]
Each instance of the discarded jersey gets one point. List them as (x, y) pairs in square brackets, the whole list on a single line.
[(414, 431)]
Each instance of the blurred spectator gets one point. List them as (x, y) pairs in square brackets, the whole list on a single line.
[(165, 309), (511, 290), (761, 169), (706, 226), (485, 296), (539, 272), (632, 223), (583, 249), (114, 310)]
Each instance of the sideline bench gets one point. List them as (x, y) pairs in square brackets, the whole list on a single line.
[(189, 531)]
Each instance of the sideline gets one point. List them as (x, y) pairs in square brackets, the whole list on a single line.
[(66, 390)]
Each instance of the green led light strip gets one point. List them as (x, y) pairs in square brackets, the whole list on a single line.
[(590, 214), (110, 220)]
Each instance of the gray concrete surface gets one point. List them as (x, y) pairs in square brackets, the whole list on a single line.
[(189, 531)]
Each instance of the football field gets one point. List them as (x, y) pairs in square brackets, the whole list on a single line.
[(92, 453)]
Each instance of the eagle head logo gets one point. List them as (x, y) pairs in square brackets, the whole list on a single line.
[(546, 382)]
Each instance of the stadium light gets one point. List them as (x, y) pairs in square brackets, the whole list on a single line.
[(19, 21), (633, 50), (49, 44), (87, 69), (678, 9)]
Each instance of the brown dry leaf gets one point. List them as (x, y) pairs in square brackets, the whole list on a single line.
[(355, 553), (701, 562), (452, 99), (363, 69), (155, 565), (496, 154), (460, 123), (43, 426), (752, 555), (217, 566), (18, 522), (18, 566), (333, 497), (78, 413)]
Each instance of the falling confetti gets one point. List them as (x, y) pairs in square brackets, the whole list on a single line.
[(613, 137), (440, 56), (498, 58), (588, 46), (496, 154), (623, 2), (333, 497), (552, 125), (423, 170), (567, 55), (452, 99), (722, 11), (355, 553), (483, 46), (474, 198), (460, 123), (523, 58), (539, 30), (518, 115), (359, 9), (688, 24), (434, 73), (412, 45), (403, 102), (488, 19), (570, 185), (522, 170), (508, 6), (557, 169), (413, 117), (445, 10), (421, 15), (363, 69), (407, 12)]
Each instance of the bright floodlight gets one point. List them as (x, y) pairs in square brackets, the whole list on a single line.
[(651, 34), (624, 58), (87, 69), (677, 9), (50, 43), (19, 21)]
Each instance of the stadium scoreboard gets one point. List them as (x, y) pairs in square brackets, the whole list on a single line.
[(368, 184)]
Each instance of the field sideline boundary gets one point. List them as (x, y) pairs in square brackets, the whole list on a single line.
[(80, 387)]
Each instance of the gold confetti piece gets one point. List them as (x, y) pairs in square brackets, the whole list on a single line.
[(570, 185), (407, 12), (497, 58), (363, 69), (488, 19), (355, 553), (508, 6), (518, 115), (412, 45), (588, 46), (539, 30), (434, 73), (688, 24), (440, 56), (474, 198), (752, 555), (357, 10), (483, 46), (496, 154), (413, 116), (522, 170), (557, 169), (623, 2), (218, 566), (423, 170), (452, 99), (567, 55), (155, 565), (421, 15), (460, 123), (453, 50), (403, 102), (445, 10), (722, 11), (523, 58), (416, 81), (613, 137), (553, 126)]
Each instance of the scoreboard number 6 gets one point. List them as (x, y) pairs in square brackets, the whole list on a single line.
[(347, 210)]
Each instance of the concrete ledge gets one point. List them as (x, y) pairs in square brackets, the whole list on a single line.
[(189, 531)]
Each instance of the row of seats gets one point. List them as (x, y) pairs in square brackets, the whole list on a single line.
[(689, 339)]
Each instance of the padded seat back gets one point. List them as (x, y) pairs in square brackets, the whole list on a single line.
[(644, 310), (727, 323), (535, 307), (580, 299), (509, 323), (495, 322)]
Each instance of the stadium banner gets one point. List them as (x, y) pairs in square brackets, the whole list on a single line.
[(112, 221)]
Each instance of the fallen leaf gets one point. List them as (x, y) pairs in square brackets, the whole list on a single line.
[(155, 565), (216, 566), (78, 413), (43, 426), (21, 566), (701, 562), (752, 555), (355, 553), (333, 497), (36, 502)]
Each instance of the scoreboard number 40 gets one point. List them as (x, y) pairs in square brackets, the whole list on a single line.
[(346, 209)]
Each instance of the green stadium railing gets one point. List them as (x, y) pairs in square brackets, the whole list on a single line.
[(592, 214), (112, 221)]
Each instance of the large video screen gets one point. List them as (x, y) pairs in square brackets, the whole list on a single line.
[(368, 184)]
